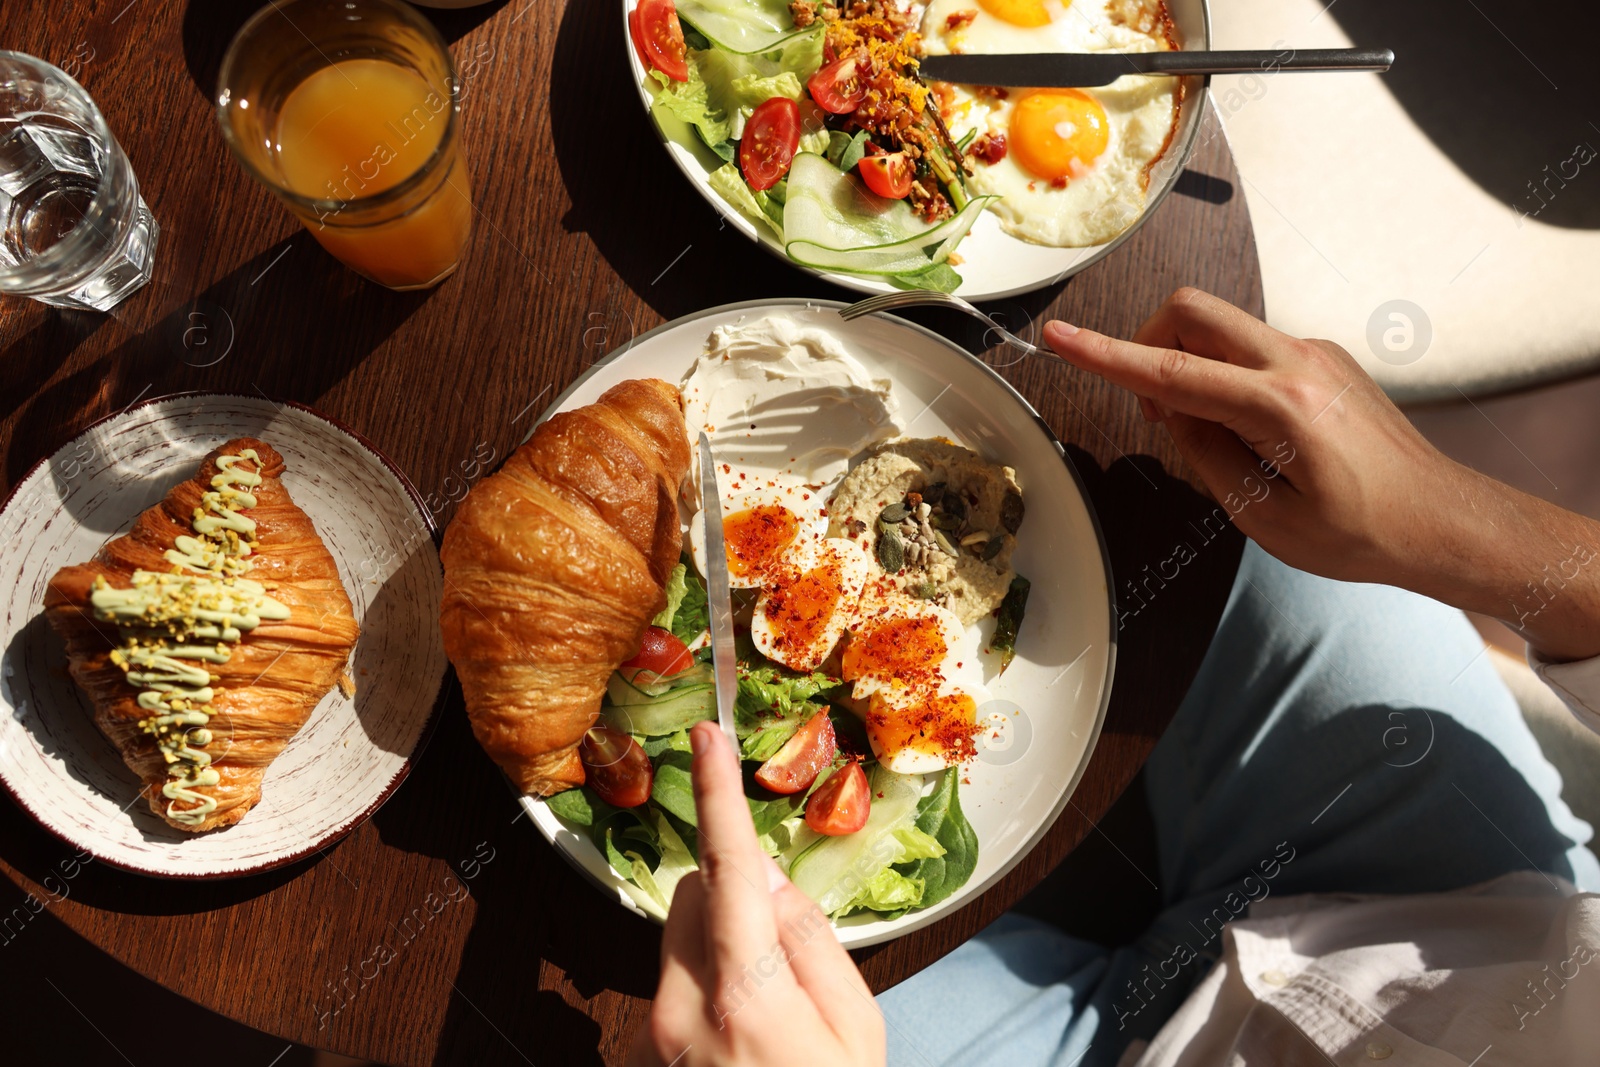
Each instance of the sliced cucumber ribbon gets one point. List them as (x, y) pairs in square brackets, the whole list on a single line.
[(834, 223), (743, 26)]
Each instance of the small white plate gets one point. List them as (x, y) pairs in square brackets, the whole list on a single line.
[(994, 264), (351, 754), (1061, 679)]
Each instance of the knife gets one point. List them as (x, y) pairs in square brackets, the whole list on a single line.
[(1065, 70), (719, 600)]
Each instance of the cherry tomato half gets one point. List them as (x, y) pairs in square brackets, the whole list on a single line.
[(660, 654), (842, 803), (662, 38), (767, 146), (796, 765), (637, 34), (836, 88), (888, 175), (618, 770)]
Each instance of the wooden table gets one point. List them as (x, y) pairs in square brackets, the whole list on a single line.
[(586, 235)]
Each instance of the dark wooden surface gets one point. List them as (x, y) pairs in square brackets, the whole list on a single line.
[(585, 235)]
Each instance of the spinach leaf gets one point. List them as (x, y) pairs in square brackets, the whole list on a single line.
[(655, 746), (673, 790), (939, 814), (692, 616), (576, 806)]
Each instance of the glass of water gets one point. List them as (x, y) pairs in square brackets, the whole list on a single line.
[(76, 233)]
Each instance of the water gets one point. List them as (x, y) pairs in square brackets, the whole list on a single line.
[(52, 174)]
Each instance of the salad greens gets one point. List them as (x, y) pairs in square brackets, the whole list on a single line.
[(914, 851), (739, 55)]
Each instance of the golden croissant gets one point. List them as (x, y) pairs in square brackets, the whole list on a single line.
[(206, 634), (553, 568)]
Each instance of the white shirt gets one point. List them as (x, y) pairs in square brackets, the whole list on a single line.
[(1507, 972)]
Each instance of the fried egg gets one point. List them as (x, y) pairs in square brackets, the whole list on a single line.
[(809, 597), (917, 674), (1071, 166), (759, 527)]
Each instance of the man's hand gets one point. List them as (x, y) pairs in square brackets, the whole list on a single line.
[(751, 973), (1319, 468)]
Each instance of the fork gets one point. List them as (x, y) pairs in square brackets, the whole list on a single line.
[(930, 297)]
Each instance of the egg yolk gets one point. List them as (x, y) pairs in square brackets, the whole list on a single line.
[(1058, 133), (1027, 13), (940, 725), (756, 537), (799, 607), (907, 648)]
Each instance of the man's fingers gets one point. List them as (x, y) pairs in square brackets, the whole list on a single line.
[(1176, 380), (683, 941), (1224, 462), (821, 965), (739, 922), (1197, 322)]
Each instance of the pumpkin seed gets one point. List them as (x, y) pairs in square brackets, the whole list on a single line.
[(943, 520), (1011, 512), (926, 591), (993, 547), (955, 505), (934, 494), (894, 513), (944, 543), (891, 550)]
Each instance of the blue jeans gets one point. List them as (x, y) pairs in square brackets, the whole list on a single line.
[(1338, 737)]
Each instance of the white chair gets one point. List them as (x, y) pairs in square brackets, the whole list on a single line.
[(1435, 264)]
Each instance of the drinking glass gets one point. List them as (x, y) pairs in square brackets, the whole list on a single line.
[(76, 232), (349, 111)]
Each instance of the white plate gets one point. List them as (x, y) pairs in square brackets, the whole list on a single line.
[(1061, 678), (994, 264), (351, 754)]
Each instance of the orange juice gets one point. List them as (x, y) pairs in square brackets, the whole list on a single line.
[(357, 129)]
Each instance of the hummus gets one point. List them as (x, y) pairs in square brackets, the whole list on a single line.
[(938, 518)]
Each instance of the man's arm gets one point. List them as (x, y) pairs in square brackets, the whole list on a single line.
[(1356, 493)]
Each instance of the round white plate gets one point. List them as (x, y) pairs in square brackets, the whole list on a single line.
[(1061, 678), (994, 264), (351, 754)]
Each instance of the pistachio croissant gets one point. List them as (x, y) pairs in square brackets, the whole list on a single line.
[(553, 568), (207, 634)]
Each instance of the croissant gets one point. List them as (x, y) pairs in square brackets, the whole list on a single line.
[(553, 567), (206, 634)]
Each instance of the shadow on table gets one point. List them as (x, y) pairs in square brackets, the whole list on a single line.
[(1513, 127), (669, 245), (209, 26), (531, 911), (339, 319)]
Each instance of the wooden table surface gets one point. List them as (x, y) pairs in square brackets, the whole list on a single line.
[(586, 234)]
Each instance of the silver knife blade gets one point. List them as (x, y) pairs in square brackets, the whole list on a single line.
[(719, 598), (1066, 70)]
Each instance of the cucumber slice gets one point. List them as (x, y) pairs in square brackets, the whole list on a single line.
[(654, 709), (743, 26), (678, 710), (832, 871), (626, 693), (834, 223)]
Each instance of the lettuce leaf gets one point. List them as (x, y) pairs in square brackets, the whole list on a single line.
[(693, 616), (887, 891), (691, 102), (677, 588), (753, 205), (773, 703)]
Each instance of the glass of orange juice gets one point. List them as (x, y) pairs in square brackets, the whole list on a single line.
[(349, 110)]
